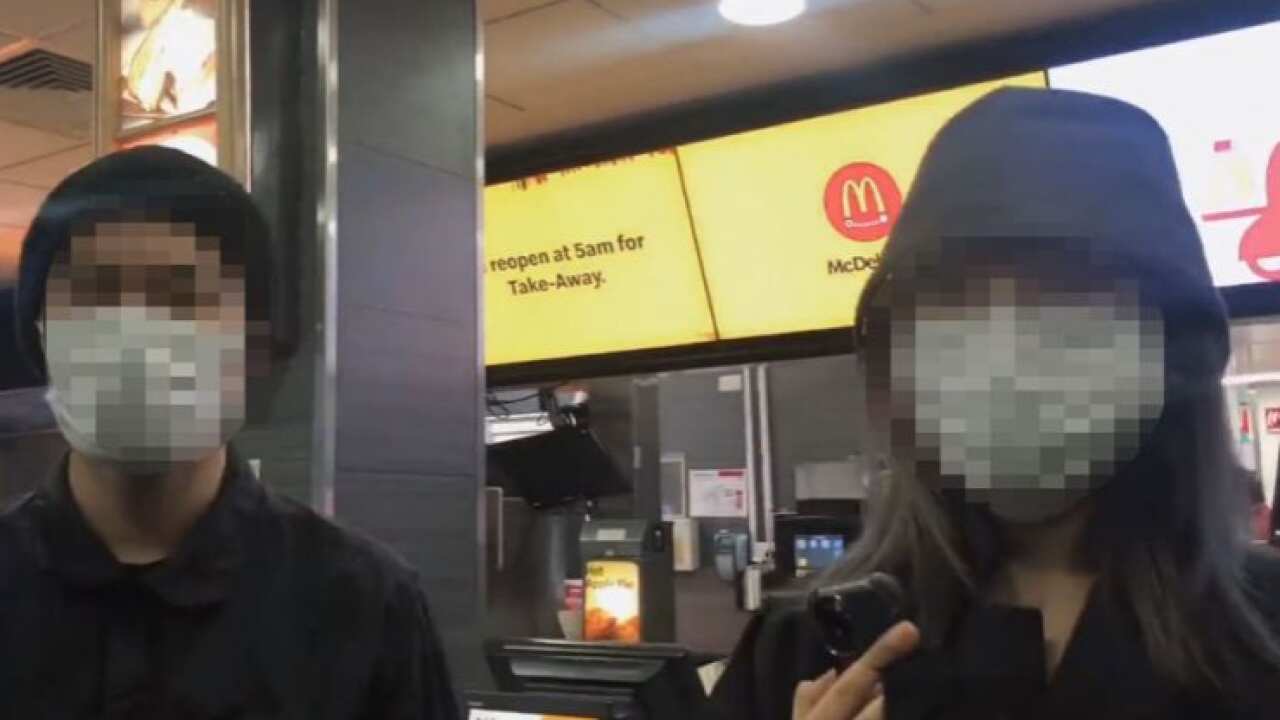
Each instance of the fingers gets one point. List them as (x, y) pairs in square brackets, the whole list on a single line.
[(809, 693), (873, 711), (859, 685), (899, 640)]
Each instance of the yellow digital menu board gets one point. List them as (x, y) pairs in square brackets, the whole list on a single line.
[(593, 260), (791, 219)]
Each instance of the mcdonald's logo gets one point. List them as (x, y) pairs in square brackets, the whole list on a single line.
[(863, 202), (859, 188)]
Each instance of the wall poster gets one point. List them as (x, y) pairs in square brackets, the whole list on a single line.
[(175, 73)]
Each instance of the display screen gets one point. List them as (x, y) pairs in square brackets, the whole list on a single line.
[(597, 259), (168, 59), (612, 607), (817, 552), (789, 224), (791, 219), (776, 231), (1216, 101)]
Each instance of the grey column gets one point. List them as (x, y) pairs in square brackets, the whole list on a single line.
[(366, 159), (285, 181), (405, 376)]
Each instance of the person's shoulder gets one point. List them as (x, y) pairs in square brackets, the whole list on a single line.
[(19, 539), (780, 647), (15, 512), (332, 553), (1262, 563), (788, 611), (793, 625), (344, 594), (18, 521), (1262, 573), (784, 633)]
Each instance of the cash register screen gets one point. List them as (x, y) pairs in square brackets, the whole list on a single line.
[(816, 552)]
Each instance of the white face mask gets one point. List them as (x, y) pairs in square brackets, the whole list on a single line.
[(1031, 406), (131, 386)]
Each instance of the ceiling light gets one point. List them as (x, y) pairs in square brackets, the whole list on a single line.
[(757, 13)]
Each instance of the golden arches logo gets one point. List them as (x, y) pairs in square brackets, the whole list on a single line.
[(860, 189), (862, 201)]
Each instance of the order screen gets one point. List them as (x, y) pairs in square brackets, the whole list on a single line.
[(816, 552)]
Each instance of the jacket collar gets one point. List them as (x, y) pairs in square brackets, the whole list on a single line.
[(993, 664), (200, 572), (1106, 664)]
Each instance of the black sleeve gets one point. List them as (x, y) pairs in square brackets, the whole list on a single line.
[(411, 680), (777, 651), (734, 697), (1262, 578)]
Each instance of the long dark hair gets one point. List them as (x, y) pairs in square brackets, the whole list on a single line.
[(1164, 538)]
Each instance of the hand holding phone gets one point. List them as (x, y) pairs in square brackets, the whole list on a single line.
[(857, 691), (853, 615)]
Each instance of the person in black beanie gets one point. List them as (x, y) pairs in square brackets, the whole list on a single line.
[(153, 575), (1059, 527)]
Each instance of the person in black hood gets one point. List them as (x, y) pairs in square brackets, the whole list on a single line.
[(152, 575), (1043, 348)]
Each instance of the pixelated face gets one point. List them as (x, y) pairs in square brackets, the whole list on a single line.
[(1027, 395), (145, 342), (164, 267)]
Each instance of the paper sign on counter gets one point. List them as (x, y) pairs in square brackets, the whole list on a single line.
[(718, 493)]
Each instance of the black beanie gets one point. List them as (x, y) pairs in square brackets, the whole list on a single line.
[(1072, 168), (149, 183)]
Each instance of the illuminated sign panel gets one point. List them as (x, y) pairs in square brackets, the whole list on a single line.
[(789, 223), (612, 608), (856, 203), (175, 73), (791, 219), (1217, 102), (593, 260), (168, 58)]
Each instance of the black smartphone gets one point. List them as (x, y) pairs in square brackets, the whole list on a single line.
[(853, 615)]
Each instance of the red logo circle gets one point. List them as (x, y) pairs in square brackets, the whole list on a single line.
[(863, 201), (1261, 242)]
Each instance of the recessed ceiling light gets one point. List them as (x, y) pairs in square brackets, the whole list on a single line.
[(758, 13)]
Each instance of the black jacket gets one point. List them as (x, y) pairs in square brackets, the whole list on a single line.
[(1104, 675), (265, 611)]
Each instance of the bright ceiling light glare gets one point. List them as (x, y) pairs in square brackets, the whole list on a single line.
[(758, 13)]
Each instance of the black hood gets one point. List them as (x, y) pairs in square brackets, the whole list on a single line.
[(1060, 166), (151, 183)]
